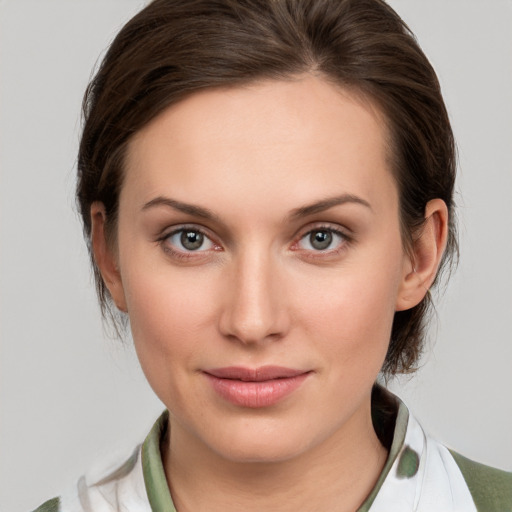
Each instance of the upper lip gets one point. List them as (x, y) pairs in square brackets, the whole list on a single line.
[(260, 374)]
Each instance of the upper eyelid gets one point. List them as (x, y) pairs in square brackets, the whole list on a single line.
[(217, 233), (172, 230), (326, 228), (301, 233), (337, 232)]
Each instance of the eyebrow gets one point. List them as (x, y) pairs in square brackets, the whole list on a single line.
[(325, 204), (196, 211), (297, 213)]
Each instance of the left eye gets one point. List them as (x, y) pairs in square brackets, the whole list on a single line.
[(190, 240), (321, 240)]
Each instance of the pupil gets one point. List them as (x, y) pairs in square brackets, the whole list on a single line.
[(321, 239), (191, 240)]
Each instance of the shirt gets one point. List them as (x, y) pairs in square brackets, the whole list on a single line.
[(420, 475)]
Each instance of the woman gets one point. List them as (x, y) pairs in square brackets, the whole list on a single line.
[(267, 191)]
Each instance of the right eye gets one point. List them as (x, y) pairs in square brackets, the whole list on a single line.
[(188, 240)]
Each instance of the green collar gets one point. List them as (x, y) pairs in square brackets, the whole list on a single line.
[(153, 470), (402, 419)]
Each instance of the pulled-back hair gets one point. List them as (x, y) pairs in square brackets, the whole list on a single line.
[(173, 48)]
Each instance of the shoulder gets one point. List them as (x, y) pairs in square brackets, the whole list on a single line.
[(121, 483), (490, 488), (111, 486), (52, 505), (428, 476)]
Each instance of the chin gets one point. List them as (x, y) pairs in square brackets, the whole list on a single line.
[(263, 452), (266, 441)]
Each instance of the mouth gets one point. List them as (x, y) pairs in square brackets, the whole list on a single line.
[(255, 388)]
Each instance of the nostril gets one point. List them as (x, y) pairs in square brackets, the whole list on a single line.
[(253, 326)]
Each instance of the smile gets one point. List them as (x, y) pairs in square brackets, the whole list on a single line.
[(255, 388)]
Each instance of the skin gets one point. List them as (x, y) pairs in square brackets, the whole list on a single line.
[(257, 292)]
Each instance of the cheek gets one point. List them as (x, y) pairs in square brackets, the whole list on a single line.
[(170, 314), (352, 311)]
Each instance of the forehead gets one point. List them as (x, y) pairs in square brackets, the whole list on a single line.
[(300, 138)]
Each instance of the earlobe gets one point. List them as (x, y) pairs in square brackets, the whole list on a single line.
[(104, 256), (421, 268)]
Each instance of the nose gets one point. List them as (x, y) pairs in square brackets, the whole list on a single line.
[(255, 309)]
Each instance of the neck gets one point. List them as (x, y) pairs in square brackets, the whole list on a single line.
[(337, 474)]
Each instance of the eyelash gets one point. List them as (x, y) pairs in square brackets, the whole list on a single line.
[(311, 254), (185, 255)]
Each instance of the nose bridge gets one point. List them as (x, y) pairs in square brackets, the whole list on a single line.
[(255, 311)]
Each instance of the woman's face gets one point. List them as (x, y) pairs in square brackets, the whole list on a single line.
[(261, 263)]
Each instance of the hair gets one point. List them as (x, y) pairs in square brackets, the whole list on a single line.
[(173, 48)]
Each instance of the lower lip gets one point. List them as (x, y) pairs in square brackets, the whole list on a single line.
[(256, 394)]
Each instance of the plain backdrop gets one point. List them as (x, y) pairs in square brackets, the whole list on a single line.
[(69, 394)]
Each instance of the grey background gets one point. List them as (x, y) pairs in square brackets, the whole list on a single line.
[(69, 395)]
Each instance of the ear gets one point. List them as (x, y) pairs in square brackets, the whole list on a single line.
[(421, 265), (105, 256)]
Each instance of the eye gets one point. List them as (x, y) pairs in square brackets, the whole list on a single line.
[(322, 239), (189, 240)]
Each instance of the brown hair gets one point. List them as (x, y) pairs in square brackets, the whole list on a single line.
[(175, 47)]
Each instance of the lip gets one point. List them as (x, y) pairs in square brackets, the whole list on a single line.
[(255, 388)]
